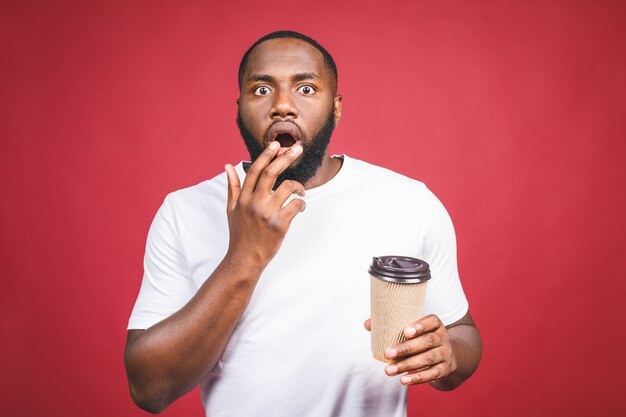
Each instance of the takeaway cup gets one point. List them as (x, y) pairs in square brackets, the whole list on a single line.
[(398, 287)]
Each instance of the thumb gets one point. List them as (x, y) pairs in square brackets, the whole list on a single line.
[(368, 325), (234, 187)]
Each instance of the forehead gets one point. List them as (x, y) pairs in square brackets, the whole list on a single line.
[(285, 57)]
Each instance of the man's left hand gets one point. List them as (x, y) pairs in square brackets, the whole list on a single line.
[(427, 354)]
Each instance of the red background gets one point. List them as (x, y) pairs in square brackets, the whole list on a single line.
[(512, 112)]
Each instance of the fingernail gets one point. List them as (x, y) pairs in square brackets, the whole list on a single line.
[(391, 370), (296, 149), (391, 353), (274, 145), (419, 327), (405, 379), (410, 331)]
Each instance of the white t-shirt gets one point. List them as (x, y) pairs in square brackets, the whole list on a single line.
[(300, 348)]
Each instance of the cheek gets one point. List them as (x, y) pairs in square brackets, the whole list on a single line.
[(251, 117), (318, 116), (247, 111)]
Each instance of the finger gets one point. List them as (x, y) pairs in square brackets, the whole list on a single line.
[(234, 187), (427, 375), (286, 189), (267, 178), (294, 207), (368, 325), (426, 324), (255, 170), (414, 346), (417, 362)]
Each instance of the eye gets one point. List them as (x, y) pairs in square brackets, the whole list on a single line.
[(261, 91), (307, 90)]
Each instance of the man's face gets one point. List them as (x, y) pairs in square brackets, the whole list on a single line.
[(288, 95)]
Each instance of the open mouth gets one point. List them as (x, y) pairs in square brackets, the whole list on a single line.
[(286, 133), (285, 140)]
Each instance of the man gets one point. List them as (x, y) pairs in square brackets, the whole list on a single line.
[(259, 300)]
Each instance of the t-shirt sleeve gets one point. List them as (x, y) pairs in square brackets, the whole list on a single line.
[(167, 285), (444, 294)]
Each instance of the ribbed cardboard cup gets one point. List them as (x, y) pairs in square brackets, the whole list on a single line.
[(398, 288)]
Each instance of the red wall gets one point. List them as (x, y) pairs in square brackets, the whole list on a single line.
[(512, 112)]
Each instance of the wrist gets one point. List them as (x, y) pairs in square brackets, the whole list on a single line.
[(244, 265)]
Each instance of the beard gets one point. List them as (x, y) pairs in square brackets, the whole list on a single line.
[(313, 151)]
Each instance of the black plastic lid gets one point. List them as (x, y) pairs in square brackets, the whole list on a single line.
[(402, 269)]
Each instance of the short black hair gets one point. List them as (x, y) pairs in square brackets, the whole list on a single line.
[(328, 59)]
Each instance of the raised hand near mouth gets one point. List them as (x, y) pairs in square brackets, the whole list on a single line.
[(257, 220), (168, 359)]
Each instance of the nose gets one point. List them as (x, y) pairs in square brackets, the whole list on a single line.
[(283, 106)]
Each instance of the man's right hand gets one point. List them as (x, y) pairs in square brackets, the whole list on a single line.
[(170, 358), (257, 220)]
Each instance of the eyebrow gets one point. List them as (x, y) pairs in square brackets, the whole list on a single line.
[(304, 76), (296, 77)]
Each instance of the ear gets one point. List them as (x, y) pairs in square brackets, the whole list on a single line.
[(237, 102), (337, 107)]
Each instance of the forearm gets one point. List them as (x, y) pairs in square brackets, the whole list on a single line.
[(170, 358), (467, 350)]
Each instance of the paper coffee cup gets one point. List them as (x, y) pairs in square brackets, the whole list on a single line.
[(398, 289)]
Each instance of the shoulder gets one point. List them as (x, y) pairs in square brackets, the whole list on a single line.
[(395, 191), (204, 192), (206, 198), (383, 180)]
